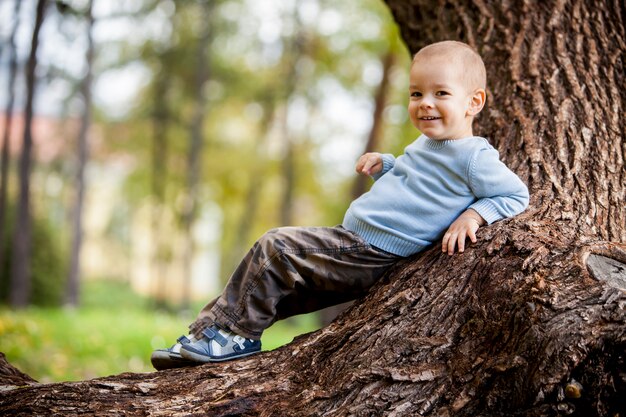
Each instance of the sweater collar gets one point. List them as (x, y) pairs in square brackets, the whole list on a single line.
[(440, 144)]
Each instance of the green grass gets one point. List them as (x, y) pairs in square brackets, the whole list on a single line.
[(114, 331)]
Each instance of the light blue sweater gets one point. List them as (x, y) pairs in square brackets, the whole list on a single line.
[(418, 195)]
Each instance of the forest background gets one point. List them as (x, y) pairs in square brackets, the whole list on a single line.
[(147, 144)]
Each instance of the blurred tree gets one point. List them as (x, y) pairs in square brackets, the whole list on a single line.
[(47, 265), (190, 207), (20, 274), (243, 234), (73, 281), (259, 167), (160, 148), (5, 160), (294, 49), (372, 144), (375, 135)]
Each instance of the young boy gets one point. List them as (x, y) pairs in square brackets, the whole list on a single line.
[(447, 184)]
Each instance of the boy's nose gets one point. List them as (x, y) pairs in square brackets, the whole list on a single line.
[(426, 103)]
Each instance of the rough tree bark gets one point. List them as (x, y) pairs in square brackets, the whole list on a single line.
[(529, 321)]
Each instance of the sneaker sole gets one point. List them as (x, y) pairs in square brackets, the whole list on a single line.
[(187, 354), (163, 360)]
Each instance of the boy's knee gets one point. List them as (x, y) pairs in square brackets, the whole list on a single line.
[(280, 233), (266, 242), (277, 240), (269, 236)]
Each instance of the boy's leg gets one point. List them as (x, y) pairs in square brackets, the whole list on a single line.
[(294, 270)]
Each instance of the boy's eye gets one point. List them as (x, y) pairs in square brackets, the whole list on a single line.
[(442, 93), (416, 94)]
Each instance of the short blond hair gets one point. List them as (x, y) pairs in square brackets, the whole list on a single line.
[(461, 54)]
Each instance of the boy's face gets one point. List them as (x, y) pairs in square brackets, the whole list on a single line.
[(441, 105)]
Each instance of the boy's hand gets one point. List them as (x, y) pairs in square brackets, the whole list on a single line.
[(369, 164), (464, 226)]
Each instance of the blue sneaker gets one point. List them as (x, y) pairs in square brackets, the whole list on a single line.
[(219, 345), (170, 358)]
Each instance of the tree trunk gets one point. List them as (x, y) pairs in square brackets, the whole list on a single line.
[(5, 153), (73, 281), (160, 120), (190, 210), (380, 101), (253, 194), (20, 270), (529, 321), (294, 49)]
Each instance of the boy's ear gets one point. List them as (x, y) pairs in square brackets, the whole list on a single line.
[(477, 102)]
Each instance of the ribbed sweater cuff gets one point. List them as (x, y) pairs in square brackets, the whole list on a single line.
[(381, 239), (388, 162), (487, 210)]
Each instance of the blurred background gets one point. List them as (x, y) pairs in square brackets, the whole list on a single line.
[(146, 144)]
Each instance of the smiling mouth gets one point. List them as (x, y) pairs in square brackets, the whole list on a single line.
[(429, 118)]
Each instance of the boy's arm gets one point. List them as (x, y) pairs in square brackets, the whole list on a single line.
[(500, 194), (375, 164)]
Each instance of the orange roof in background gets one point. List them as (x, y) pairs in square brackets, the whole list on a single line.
[(53, 138)]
